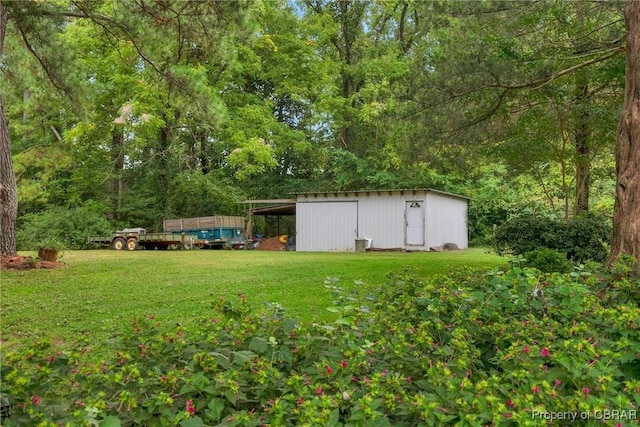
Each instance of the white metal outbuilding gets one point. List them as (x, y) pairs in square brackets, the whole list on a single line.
[(417, 219)]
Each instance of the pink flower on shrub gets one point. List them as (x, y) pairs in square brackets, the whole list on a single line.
[(544, 352), (344, 364), (190, 408), (526, 349), (535, 389), (329, 370), (319, 391), (300, 401), (585, 390), (36, 399), (510, 403)]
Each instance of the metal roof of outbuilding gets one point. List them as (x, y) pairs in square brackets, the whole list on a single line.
[(380, 192), (288, 206)]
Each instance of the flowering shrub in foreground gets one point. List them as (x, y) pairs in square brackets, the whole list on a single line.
[(469, 349)]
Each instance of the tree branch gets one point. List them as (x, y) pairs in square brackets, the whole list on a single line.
[(508, 88), (547, 79), (55, 81)]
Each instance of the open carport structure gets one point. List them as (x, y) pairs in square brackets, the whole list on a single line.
[(269, 207)]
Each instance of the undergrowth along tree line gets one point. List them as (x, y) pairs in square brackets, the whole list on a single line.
[(553, 245), (470, 348)]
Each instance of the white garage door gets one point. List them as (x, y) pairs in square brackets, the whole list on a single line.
[(326, 226)]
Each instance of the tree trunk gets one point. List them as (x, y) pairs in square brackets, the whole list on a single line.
[(583, 150), (626, 212), (203, 138), (8, 188), (116, 184), (581, 132)]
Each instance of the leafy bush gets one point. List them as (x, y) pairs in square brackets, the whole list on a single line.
[(548, 261), (470, 349), (68, 227), (526, 234), (581, 239), (588, 237)]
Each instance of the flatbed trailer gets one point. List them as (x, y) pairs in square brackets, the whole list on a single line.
[(137, 238)]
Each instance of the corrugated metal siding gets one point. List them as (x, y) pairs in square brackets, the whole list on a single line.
[(381, 219), (326, 226), (446, 221)]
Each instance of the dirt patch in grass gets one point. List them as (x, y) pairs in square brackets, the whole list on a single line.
[(27, 263)]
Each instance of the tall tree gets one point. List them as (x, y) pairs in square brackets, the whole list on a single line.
[(626, 213), (36, 26), (8, 187)]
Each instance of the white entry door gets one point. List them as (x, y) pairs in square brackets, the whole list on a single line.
[(414, 213)]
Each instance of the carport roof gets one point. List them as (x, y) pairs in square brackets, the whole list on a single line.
[(273, 206)]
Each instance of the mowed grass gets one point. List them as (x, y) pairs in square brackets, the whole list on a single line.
[(100, 292)]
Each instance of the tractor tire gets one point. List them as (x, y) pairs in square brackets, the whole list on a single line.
[(132, 244), (119, 243)]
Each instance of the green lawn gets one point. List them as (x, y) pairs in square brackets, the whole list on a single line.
[(99, 292)]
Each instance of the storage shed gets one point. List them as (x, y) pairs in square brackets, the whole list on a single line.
[(417, 219)]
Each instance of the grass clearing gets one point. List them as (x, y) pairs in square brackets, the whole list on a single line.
[(99, 292)]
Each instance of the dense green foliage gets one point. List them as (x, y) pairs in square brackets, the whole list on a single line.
[(548, 261), (584, 238), (470, 348), (61, 227), (158, 115)]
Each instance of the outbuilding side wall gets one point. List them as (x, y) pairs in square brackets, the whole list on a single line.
[(446, 221)]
